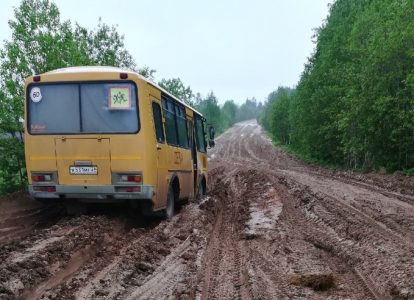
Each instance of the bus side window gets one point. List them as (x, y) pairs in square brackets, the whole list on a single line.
[(181, 126), (170, 124), (159, 132)]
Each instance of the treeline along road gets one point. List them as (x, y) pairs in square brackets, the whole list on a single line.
[(270, 227)]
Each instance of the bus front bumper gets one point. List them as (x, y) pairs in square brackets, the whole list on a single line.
[(91, 192)]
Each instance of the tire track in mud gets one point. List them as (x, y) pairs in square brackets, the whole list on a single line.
[(397, 235), (20, 215), (271, 227), (222, 268), (104, 257), (26, 222), (374, 216), (260, 276), (157, 263), (329, 247), (38, 263)]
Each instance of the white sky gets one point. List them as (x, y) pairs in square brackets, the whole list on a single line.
[(238, 49)]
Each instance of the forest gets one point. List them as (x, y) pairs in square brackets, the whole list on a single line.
[(41, 41), (353, 106)]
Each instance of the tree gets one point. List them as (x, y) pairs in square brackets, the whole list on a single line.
[(147, 72), (280, 115), (211, 111), (178, 89), (229, 112), (266, 112), (248, 110), (354, 105), (41, 41)]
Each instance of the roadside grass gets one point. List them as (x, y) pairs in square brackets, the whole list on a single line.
[(310, 160), (338, 167)]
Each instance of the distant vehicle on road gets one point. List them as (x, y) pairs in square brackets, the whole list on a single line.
[(103, 134)]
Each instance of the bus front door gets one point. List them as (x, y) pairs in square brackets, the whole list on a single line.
[(193, 155), (162, 156)]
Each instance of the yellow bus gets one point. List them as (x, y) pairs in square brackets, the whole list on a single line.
[(103, 134)]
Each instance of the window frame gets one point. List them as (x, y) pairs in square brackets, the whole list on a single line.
[(183, 119), (176, 106), (79, 82), (167, 111)]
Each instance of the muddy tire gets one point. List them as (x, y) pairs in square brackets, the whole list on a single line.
[(168, 212), (200, 191), (75, 208)]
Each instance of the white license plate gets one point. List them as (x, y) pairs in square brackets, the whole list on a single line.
[(89, 170)]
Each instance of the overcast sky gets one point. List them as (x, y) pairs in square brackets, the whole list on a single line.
[(238, 49)]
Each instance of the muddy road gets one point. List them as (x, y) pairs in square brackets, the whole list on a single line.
[(271, 227)]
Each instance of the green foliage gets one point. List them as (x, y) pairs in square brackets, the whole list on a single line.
[(210, 109), (280, 112), (41, 42), (225, 116), (220, 117), (250, 109), (229, 112), (12, 173), (266, 116), (147, 72), (178, 89), (353, 105)]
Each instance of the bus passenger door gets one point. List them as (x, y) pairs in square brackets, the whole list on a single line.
[(193, 148), (162, 156)]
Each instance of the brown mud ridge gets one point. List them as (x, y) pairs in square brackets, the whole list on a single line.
[(271, 227)]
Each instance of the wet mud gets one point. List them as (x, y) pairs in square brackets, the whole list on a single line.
[(270, 227)]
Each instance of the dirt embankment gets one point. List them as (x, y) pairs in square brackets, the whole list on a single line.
[(271, 227)]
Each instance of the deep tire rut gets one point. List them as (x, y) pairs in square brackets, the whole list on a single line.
[(270, 227)]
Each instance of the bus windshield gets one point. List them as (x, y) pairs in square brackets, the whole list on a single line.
[(82, 108)]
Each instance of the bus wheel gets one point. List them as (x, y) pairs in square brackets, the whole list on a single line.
[(75, 208), (169, 210), (201, 191)]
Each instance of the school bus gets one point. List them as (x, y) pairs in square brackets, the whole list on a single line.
[(104, 134)]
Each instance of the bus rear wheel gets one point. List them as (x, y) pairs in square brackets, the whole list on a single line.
[(75, 208), (201, 191), (170, 209)]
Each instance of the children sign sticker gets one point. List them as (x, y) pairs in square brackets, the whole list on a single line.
[(119, 98)]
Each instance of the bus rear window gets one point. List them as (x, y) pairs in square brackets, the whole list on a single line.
[(82, 108)]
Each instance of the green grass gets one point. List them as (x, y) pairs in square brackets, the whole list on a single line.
[(306, 158), (328, 165)]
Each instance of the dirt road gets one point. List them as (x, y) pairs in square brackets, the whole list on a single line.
[(271, 227)]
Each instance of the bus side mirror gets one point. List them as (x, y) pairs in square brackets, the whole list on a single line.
[(211, 133)]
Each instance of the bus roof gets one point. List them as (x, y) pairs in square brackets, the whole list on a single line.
[(108, 69)]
